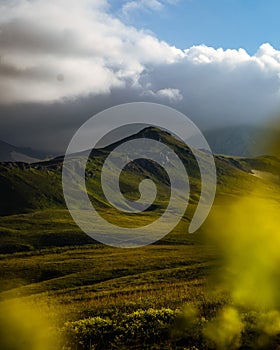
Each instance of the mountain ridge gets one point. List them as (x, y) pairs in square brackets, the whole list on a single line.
[(12, 153), (31, 191), (242, 140)]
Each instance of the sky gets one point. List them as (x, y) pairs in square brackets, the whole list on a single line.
[(230, 24), (62, 61)]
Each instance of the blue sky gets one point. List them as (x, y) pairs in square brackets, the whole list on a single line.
[(216, 23)]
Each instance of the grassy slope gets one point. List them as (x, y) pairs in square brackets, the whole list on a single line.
[(87, 280), (32, 208), (98, 281)]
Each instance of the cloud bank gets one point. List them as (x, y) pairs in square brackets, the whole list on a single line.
[(66, 51)]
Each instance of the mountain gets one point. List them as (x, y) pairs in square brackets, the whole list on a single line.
[(243, 141), (33, 213), (26, 187), (11, 153)]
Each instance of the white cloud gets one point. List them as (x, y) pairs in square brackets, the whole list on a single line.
[(222, 86), (130, 7), (65, 49), (172, 95), (79, 41)]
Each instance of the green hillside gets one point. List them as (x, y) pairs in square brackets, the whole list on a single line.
[(99, 297), (34, 215)]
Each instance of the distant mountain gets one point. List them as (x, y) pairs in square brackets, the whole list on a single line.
[(11, 153), (243, 141)]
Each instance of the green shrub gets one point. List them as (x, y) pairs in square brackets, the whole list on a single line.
[(145, 327), (88, 333)]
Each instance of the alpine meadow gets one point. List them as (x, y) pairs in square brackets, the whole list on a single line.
[(185, 291), (139, 175)]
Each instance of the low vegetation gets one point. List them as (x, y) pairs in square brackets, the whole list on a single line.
[(98, 297)]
